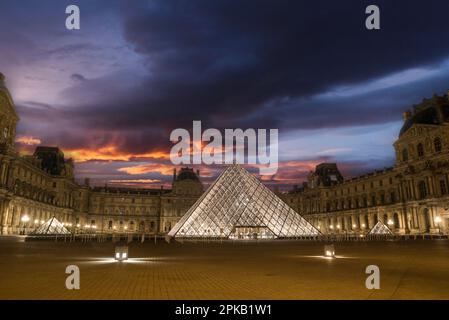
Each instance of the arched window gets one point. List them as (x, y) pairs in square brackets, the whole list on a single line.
[(405, 155), (437, 144), (420, 150), (422, 189)]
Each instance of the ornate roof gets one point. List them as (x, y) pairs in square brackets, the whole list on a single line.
[(187, 174), (432, 111)]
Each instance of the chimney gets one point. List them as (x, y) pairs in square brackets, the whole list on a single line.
[(198, 173), (174, 174), (87, 182)]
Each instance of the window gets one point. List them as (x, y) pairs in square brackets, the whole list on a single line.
[(420, 150), (422, 189), (392, 197), (437, 144), (373, 200), (443, 187), (405, 155), (110, 225)]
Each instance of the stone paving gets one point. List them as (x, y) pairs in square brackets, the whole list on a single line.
[(265, 270)]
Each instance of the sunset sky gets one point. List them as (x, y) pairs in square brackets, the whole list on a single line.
[(110, 94)]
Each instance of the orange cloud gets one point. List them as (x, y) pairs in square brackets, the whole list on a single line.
[(28, 140), (147, 168), (111, 153)]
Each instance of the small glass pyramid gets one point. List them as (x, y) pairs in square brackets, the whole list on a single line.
[(238, 206), (52, 226), (380, 228)]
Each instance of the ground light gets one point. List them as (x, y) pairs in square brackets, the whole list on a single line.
[(329, 251), (121, 253)]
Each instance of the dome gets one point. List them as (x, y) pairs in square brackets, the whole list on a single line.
[(433, 111), (187, 174)]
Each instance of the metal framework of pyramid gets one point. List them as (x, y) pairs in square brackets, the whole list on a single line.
[(380, 228), (237, 205), (52, 226)]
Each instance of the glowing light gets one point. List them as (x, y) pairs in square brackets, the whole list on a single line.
[(331, 226), (36, 221), (126, 228), (354, 226), (338, 226), (121, 253), (437, 219), (78, 225), (390, 222), (42, 221), (329, 251), (363, 225), (25, 218)]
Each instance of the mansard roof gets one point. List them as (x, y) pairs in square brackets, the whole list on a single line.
[(434, 111)]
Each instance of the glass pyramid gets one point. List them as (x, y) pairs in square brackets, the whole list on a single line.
[(380, 228), (52, 226), (238, 206)]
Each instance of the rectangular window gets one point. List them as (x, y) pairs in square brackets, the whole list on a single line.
[(443, 187)]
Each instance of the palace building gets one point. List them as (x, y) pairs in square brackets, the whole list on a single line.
[(411, 197), (38, 187)]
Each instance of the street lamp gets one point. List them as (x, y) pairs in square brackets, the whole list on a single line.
[(438, 221), (25, 218)]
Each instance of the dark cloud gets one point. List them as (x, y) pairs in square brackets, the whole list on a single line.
[(77, 77), (223, 61), (258, 63)]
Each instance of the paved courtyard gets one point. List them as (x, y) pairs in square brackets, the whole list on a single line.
[(265, 270)]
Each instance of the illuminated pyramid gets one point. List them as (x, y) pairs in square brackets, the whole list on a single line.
[(238, 206), (380, 228), (52, 226)]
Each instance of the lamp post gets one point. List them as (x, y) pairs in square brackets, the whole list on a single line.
[(25, 218), (438, 221)]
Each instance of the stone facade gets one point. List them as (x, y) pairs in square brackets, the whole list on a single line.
[(411, 198)]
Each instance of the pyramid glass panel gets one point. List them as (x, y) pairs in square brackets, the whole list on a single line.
[(380, 228), (52, 226), (237, 205)]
